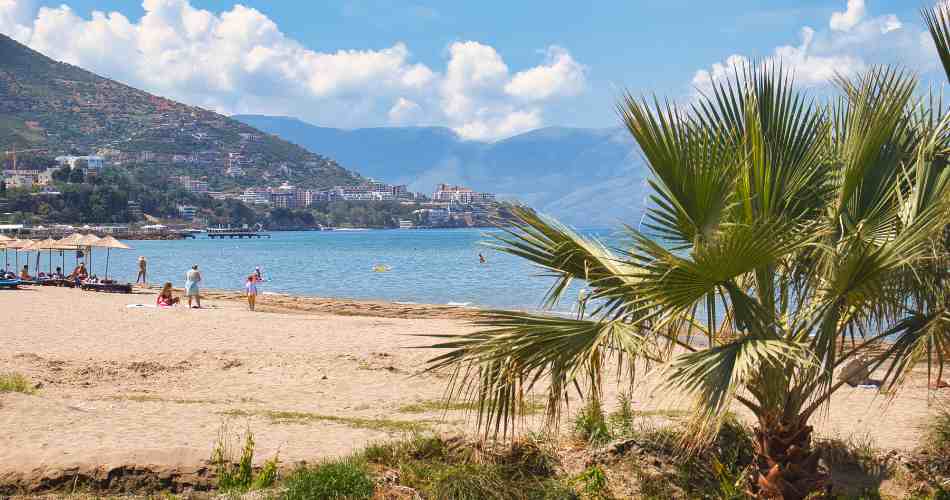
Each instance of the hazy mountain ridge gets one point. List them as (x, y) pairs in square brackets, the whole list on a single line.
[(583, 176)]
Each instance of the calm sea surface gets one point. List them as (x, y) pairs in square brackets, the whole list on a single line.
[(427, 266)]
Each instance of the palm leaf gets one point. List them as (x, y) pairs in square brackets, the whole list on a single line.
[(938, 22)]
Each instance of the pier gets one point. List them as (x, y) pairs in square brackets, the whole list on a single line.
[(236, 233)]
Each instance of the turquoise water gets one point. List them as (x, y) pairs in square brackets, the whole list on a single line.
[(427, 266)]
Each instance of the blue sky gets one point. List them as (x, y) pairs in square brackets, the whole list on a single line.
[(487, 69)]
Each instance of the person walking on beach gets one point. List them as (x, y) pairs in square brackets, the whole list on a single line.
[(192, 278), (143, 267), (251, 286)]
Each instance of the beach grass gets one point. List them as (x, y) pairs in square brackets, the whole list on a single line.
[(298, 417), (345, 479), (149, 398), (16, 382), (441, 405)]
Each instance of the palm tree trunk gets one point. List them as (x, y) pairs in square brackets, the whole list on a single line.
[(788, 467)]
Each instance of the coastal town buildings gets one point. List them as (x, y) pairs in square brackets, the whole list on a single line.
[(193, 185), (92, 163), (460, 194)]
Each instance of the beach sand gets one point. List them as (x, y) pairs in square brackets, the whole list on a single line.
[(123, 386)]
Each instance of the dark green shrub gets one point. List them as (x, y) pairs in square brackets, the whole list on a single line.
[(337, 480)]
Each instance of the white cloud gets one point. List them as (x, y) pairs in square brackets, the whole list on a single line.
[(844, 21), (854, 42), (238, 61), (15, 18), (403, 111), (562, 75)]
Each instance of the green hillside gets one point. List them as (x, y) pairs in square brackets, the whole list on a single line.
[(54, 105)]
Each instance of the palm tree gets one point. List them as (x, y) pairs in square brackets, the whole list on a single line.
[(785, 239)]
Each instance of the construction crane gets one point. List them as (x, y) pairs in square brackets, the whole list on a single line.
[(14, 151)]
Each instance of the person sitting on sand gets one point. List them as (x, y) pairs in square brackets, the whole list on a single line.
[(79, 274), (25, 273), (251, 286), (192, 278), (58, 274), (165, 297)]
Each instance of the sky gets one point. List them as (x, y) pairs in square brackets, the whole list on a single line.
[(488, 70)]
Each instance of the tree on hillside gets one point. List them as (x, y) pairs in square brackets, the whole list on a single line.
[(793, 238)]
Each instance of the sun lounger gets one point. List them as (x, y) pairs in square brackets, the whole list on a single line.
[(5, 283), (108, 287), (59, 282)]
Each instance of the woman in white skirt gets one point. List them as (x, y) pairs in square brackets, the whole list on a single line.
[(192, 278)]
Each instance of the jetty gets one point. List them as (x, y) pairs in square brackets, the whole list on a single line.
[(231, 233)]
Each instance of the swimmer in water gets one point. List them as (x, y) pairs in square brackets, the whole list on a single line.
[(257, 274), (481, 259)]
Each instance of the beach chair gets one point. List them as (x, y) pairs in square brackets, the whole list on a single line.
[(108, 287), (10, 284)]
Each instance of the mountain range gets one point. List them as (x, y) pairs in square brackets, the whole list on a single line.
[(62, 108), (586, 177)]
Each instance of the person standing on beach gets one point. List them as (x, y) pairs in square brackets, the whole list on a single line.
[(251, 286), (192, 278), (143, 267)]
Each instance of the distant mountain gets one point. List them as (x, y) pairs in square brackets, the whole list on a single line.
[(587, 177), (54, 105)]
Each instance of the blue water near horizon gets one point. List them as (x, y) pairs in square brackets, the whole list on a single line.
[(437, 266)]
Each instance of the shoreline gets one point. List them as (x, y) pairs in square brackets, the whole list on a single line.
[(284, 302)]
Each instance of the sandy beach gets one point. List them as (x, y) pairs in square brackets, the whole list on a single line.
[(123, 386)]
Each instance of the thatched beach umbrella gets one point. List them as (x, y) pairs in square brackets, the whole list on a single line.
[(73, 241), (89, 241), (50, 245), (17, 245), (3, 241), (109, 243)]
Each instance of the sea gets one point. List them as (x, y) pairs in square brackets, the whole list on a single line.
[(431, 266)]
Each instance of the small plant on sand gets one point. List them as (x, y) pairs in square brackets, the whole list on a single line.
[(590, 424), (621, 420), (335, 480), (15, 382), (592, 484), (236, 474), (933, 463)]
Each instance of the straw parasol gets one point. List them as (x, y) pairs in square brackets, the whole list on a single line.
[(108, 242), (50, 244), (3, 241), (88, 240), (18, 245), (73, 241)]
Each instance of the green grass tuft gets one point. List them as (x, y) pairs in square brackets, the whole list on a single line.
[(335, 480), (590, 424), (236, 474), (593, 484), (530, 407), (471, 482), (16, 382), (377, 424)]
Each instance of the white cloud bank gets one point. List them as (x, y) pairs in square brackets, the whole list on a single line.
[(853, 43), (238, 61)]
